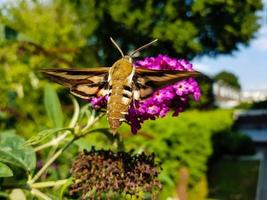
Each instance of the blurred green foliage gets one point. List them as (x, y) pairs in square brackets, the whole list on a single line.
[(16, 160), (17, 155), (234, 179), (232, 143), (255, 105), (45, 34)]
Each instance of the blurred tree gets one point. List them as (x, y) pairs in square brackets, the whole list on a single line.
[(34, 36), (184, 28), (228, 78)]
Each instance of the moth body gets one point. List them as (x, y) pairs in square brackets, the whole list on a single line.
[(120, 92), (122, 83)]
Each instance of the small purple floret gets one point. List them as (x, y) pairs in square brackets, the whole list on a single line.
[(99, 102), (172, 97)]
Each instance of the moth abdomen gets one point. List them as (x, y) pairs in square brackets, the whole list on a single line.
[(127, 95), (118, 105)]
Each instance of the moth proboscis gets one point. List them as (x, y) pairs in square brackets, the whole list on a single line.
[(122, 82)]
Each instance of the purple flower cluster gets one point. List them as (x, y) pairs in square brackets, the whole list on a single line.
[(172, 97)]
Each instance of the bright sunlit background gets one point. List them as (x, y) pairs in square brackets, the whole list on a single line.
[(249, 63)]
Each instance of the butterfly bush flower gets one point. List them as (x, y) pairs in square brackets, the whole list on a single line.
[(172, 97)]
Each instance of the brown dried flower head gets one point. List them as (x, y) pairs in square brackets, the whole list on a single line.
[(100, 172)]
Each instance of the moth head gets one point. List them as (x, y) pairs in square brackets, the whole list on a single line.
[(130, 56)]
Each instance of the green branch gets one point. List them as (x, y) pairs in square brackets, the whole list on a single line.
[(49, 184), (50, 161), (38, 193)]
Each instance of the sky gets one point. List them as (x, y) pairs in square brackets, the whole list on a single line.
[(249, 64)]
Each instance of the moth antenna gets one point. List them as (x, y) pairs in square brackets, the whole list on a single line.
[(142, 47), (117, 46)]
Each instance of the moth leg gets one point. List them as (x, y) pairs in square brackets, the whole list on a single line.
[(102, 110)]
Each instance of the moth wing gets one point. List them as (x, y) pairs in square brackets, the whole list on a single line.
[(84, 83), (146, 81)]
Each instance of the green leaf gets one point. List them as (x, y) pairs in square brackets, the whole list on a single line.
[(64, 188), (5, 171), (53, 107), (76, 113), (167, 179), (41, 136), (12, 151), (17, 194), (4, 194)]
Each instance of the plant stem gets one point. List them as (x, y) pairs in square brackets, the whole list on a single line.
[(49, 184), (90, 123), (50, 161), (14, 186), (53, 142), (3, 194), (38, 193), (72, 124), (76, 113)]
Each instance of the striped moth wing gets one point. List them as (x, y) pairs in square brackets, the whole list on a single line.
[(93, 82), (84, 83), (146, 81)]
